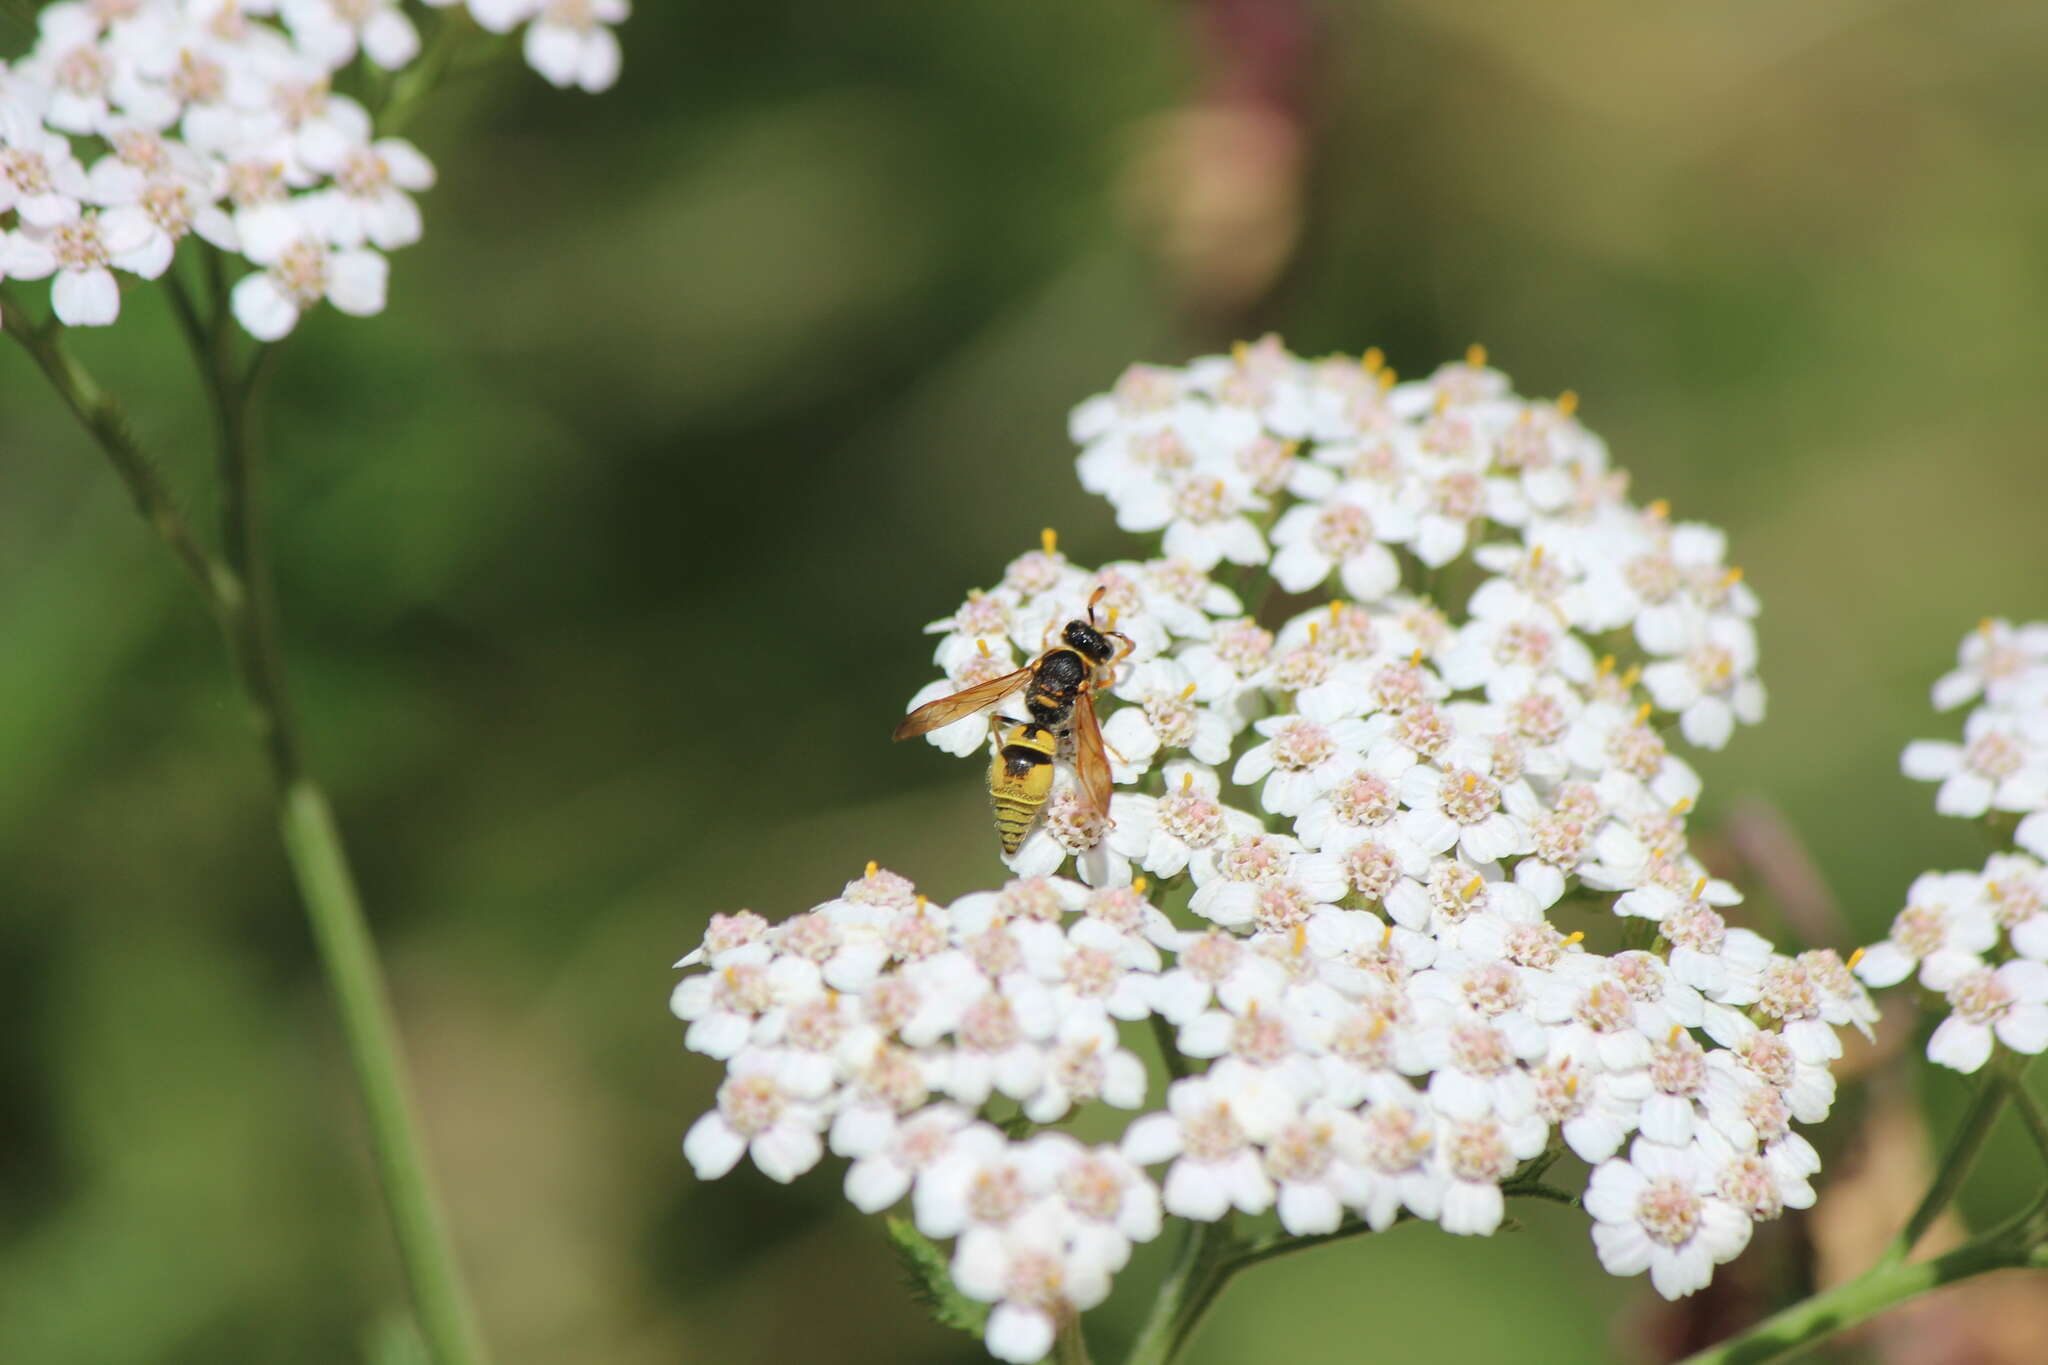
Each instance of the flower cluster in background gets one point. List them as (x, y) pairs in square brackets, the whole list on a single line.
[(1403, 875), (133, 124), (1980, 939)]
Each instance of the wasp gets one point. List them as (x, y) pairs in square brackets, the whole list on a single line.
[(1059, 687)]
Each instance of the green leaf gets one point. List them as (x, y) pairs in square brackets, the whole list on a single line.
[(924, 1268)]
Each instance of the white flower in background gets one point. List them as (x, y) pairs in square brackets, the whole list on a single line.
[(330, 31), (571, 42), (1998, 661), (369, 200), (301, 271), (220, 118), (82, 253)]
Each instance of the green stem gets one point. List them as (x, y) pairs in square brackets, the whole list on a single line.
[(237, 591), (1200, 1269), (1070, 1347), (1883, 1286), (320, 867), (2029, 1109), (1169, 1050), (409, 90), (103, 419), (1978, 1121)]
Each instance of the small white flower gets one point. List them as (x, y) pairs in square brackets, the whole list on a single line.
[(758, 1116), (1999, 764), (1661, 1211), (300, 272), (2009, 1002), (571, 42)]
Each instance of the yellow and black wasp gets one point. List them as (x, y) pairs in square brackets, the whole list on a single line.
[(1059, 687)]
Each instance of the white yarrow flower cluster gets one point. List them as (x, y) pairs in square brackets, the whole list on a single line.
[(130, 125), (1980, 939), (1407, 842)]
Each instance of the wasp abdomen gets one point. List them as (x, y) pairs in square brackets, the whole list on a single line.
[(1019, 779)]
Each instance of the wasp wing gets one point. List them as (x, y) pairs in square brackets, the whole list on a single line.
[(946, 710), (1089, 759)]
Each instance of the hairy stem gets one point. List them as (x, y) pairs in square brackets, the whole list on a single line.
[(1201, 1268)]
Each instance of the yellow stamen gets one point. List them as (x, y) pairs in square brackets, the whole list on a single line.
[(1659, 510), (1386, 937), (1474, 887), (1373, 359), (1387, 379), (1379, 1026), (1315, 632), (1049, 540), (1112, 618), (1571, 1085), (1731, 578), (1415, 659), (1138, 884), (1854, 958), (1642, 713), (873, 867), (1185, 693), (1535, 556), (1240, 351), (1633, 676), (921, 898), (1475, 356), (1575, 936), (731, 975), (982, 645), (1187, 783), (1567, 403), (1698, 887), (1300, 938), (1985, 627), (1681, 805), (1606, 665), (1336, 611), (1671, 1038), (1443, 400)]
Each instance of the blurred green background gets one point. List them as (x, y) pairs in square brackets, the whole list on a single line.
[(604, 553)]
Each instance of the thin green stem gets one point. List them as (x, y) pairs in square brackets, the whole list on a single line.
[(1200, 1269), (1883, 1286), (405, 94), (1070, 1347), (237, 591), (1169, 1050), (2029, 1109), (1978, 1121), (320, 866), (107, 424)]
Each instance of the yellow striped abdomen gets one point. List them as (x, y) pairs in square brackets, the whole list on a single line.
[(1019, 779)]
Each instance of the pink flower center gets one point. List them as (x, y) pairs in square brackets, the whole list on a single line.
[(1669, 1212)]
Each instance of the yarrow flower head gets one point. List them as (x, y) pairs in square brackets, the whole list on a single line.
[(128, 126), (1979, 940), (1333, 866)]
